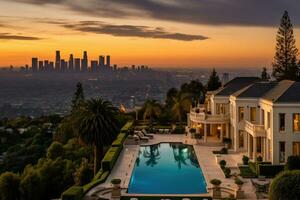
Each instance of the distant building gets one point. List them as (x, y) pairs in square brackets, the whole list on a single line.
[(63, 65), (108, 61), (41, 66), (94, 65), (34, 64), (84, 62), (71, 63), (101, 62), (77, 64), (46, 65), (57, 61)]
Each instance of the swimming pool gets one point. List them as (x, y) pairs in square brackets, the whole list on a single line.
[(167, 168)]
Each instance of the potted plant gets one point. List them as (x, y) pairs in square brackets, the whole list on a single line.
[(259, 159), (216, 189), (116, 182), (216, 182), (245, 160), (239, 183), (227, 142), (197, 110), (227, 172), (222, 164)]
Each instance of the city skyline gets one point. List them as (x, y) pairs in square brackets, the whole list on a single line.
[(157, 33)]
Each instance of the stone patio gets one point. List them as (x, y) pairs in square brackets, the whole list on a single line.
[(207, 160)]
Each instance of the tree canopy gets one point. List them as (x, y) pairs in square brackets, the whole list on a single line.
[(214, 82)]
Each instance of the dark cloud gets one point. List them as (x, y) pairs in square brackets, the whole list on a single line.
[(7, 36), (130, 31), (212, 12)]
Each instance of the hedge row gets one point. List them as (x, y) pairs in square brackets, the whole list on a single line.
[(127, 127), (265, 169), (110, 158)]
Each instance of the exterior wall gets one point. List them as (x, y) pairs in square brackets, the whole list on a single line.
[(237, 125)]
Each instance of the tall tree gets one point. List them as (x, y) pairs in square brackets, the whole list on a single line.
[(78, 96), (182, 104), (9, 186), (195, 90), (214, 82), (170, 95), (285, 60), (264, 74), (97, 126), (151, 109)]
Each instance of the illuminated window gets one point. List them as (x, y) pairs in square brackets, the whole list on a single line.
[(296, 148), (296, 121), (281, 121), (241, 113)]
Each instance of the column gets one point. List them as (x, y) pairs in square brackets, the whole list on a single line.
[(221, 133), (205, 133), (254, 148), (227, 130), (249, 145)]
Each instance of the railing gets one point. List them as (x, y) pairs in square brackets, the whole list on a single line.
[(256, 130), (202, 116)]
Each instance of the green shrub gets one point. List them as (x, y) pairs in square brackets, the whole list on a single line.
[(115, 181), (222, 163), (227, 172), (285, 185), (127, 126), (252, 166), (269, 170), (224, 151), (94, 183), (216, 182), (226, 140), (84, 173), (179, 130), (293, 162), (55, 150), (238, 181), (73, 193), (119, 141), (9, 186), (259, 159), (246, 172), (110, 158), (245, 160)]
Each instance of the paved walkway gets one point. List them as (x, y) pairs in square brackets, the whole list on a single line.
[(125, 163)]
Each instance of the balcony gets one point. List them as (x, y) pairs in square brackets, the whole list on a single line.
[(256, 130), (200, 116)]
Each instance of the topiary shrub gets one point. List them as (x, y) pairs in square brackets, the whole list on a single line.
[(73, 193), (224, 151), (222, 163), (285, 185), (245, 160), (259, 159), (293, 162), (227, 172), (115, 181), (215, 182)]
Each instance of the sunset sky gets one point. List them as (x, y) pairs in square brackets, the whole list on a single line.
[(158, 33)]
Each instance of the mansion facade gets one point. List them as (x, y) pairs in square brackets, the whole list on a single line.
[(260, 118)]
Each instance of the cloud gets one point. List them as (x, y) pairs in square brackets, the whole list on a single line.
[(7, 36), (130, 31), (211, 12)]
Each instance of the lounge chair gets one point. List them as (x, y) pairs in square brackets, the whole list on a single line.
[(144, 132), (143, 138)]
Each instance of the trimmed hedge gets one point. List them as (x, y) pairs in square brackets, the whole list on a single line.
[(269, 171), (98, 175), (119, 141), (73, 193), (110, 158), (246, 172), (126, 127), (94, 183), (163, 197)]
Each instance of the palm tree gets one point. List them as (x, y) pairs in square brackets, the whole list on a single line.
[(151, 109), (182, 104), (97, 125), (180, 156), (153, 155)]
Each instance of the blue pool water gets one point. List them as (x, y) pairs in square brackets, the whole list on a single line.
[(167, 168)]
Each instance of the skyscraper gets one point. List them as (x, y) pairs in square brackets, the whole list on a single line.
[(71, 63), (101, 61), (108, 61), (46, 65), (57, 61), (94, 65), (34, 64), (41, 66), (77, 64), (84, 62), (63, 65)]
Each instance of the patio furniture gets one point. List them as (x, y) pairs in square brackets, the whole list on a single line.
[(144, 132), (141, 137)]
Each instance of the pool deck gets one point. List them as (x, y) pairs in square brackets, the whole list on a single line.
[(125, 163)]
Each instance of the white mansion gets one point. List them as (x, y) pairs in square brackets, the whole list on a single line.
[(260, 118)]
